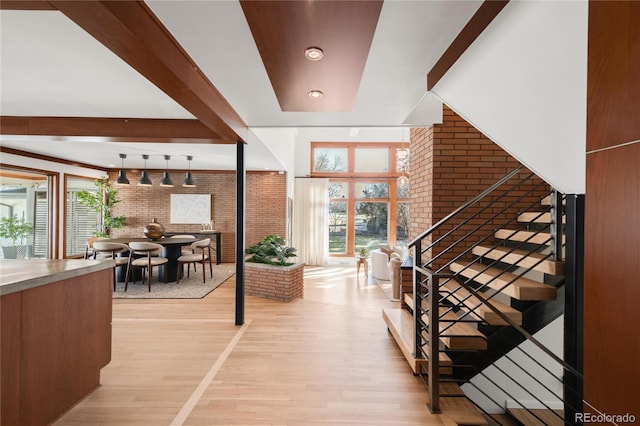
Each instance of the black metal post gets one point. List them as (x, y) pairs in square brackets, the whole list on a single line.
[(433, 380), (240, 213), (574, 307), (556, 224), (417, 300)]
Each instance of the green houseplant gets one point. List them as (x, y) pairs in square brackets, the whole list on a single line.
[(271, 250), (15, 229), (102, 201)]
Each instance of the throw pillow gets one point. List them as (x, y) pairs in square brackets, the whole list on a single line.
[(386, 250)]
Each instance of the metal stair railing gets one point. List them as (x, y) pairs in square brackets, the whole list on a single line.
[(478, 226)]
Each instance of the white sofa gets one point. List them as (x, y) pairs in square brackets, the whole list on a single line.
[(380, 262)]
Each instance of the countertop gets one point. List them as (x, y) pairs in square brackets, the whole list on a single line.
[(19, 275)]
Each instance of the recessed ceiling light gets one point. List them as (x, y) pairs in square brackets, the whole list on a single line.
[(313, 53), (315, 94)]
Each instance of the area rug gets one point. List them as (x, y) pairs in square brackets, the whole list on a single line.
[(189, 288)]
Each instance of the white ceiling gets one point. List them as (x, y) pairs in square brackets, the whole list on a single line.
[(51, 67)]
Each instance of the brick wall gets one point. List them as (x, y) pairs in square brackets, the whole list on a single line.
[(451, 163), (283, 283), (265, 206)]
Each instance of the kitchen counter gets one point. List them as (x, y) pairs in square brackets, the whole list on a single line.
[(18, 275), (55, 326)]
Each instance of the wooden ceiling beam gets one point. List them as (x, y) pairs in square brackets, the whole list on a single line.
[(478, 22), (114, 129), (25, 5), (131, 31)]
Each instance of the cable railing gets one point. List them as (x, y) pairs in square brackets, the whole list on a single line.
[(460, 265)]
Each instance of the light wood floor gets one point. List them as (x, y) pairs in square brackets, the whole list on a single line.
[(324, 360)]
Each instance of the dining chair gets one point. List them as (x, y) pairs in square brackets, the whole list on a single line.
[(186, 250), (150, 258), (106, 250), (201, 254), (88, 251)]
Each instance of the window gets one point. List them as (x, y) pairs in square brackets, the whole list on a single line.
[(328, 159), (81, 222), (367, 208), (25, 194)]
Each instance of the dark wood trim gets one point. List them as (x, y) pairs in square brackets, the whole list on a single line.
[(131, 31), (6, 150), (25, 5), (113, 129), (478, 22), (613, 86)]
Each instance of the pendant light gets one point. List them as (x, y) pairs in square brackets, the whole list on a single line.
[(144, 179), (403, 179), (188, 180), (166, 177), (122, 174)]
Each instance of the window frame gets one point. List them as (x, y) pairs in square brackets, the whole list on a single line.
[(351, 178)]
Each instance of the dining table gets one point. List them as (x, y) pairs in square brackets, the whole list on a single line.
[(171, 249)]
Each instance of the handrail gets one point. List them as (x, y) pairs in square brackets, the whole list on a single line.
[(475, 222), (466, 205)]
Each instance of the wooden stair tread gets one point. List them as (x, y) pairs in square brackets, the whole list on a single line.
[(528, 236), (401, 325), (479, 309), (546, 201), (547, 417), (521, 258), (520, 289), (458, 336), (536, 217)]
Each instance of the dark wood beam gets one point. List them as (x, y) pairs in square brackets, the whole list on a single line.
[(113, 129), (478, 22), (131, 30), (343, 29), (25, 5)]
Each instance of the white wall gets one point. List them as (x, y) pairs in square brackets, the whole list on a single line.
[(281, 143), (523, 83), (9, 160), (552, 337)]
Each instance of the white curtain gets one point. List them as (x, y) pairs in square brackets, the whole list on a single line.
[(310, 235)]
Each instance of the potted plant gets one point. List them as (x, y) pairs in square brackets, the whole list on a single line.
[(268, 272), (271, 250), (102, 201), (15, 229)]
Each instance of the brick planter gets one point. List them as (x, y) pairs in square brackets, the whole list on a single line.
[(283, 283)]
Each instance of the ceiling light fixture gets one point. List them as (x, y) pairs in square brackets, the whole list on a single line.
[(144, 178), (166, 177), (122, 174), (313, 53), (315, 94), (188, 180)]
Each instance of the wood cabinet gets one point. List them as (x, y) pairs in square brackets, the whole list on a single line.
[(54, 339)]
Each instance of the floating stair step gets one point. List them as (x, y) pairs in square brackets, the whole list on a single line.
[(528, 236), (541, 417), (536, 217), (479, 309), (461, 335), (520, 289), (546, 201), (401, 325), (521, 258)]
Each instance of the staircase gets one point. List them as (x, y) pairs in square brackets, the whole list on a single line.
[(497, 266)]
